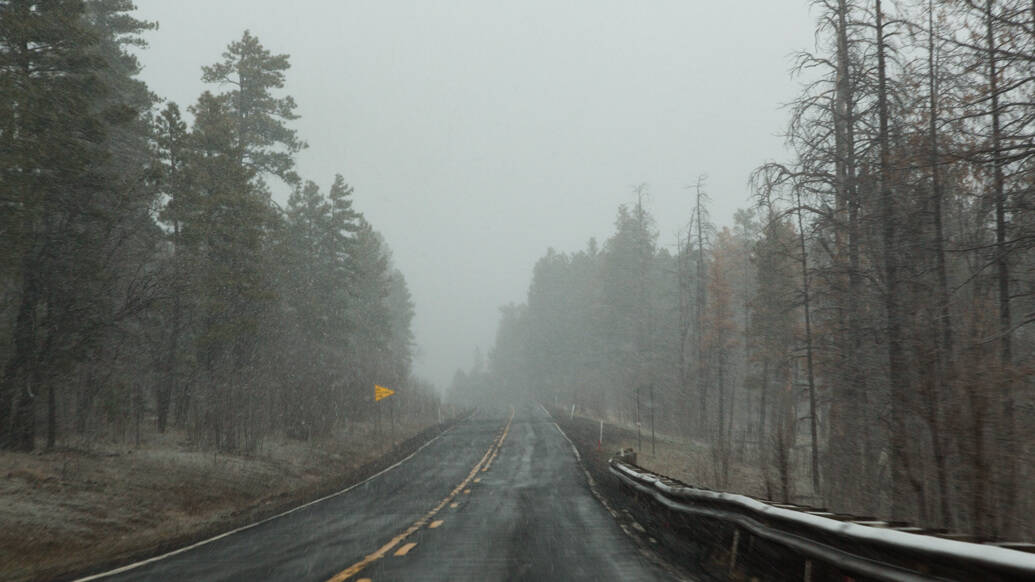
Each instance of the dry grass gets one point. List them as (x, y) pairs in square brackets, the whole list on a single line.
[(687, 460), (72, 508)]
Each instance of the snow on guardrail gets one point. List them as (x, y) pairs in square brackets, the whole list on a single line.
[(861, 546)]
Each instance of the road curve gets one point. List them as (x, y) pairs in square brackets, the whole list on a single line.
[(499, 497)]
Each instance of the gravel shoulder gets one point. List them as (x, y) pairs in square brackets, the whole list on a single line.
[(695, 555)]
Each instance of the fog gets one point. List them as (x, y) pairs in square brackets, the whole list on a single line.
[(479, 134), (402, 281)]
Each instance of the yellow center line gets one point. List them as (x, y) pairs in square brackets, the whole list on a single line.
[(435, 523), (405, 549), (454, 505), (383, 550)]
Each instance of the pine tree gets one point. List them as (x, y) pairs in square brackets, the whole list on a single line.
[(339, 241), (229, 237), (69, 215), (263, 141), (370, 320), (627, 297), (401, 311), (223, 220), (173, 151)]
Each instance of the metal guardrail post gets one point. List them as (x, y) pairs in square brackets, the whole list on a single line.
[(733, 551)]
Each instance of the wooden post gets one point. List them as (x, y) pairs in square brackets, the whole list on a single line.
[(653, 441), (377, 426), (733, 551), (639, 436)]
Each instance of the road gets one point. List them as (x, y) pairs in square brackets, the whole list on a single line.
[(499, 497)]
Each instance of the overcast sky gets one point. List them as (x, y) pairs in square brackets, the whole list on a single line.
[(479, 133)]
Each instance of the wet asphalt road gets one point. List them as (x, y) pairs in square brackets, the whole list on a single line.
[(495, 498)]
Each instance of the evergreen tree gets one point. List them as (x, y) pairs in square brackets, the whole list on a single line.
[(223, 221), (172, 150), (69, 218), (230, 239), (263, 141), (627, 300), (401, 311), (339, 241), (370, 321)]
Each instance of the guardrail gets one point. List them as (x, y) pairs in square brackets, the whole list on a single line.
[(830, 546)]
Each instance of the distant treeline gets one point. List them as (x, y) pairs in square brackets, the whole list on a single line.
[(146, 275), (864, 335)]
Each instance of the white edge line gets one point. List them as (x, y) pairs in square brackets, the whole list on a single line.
[(135, 565), (574, 449), (607, 506)]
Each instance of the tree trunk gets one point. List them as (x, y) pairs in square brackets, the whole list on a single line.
[(684, 329), (720, 442), (854, 429), (999, 193), (18, 391), (163, 395), (979, 466), (944, 351), (701, 299), (51, 417), (900, 491), (937, 194), (763, 445), (1006, 441), (810, 375)]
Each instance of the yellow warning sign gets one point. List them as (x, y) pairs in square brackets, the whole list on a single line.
[(381, 392)]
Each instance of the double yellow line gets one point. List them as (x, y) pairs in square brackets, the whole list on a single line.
[(482, 465)]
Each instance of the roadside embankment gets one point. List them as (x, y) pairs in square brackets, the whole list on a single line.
[(686, 460), (75, 511)]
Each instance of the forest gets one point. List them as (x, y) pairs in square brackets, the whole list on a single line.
[(147, 274), (862, 334)]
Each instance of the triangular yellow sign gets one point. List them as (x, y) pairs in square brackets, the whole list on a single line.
[(381, 392)]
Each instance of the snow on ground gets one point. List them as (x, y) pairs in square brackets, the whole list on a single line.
[(68, 509)]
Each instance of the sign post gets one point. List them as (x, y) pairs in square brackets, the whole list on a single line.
[(380, 393)]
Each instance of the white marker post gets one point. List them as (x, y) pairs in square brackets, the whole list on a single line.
[(572, 415), (600, 442)]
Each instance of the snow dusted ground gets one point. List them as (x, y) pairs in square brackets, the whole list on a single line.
[(72, 508)]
